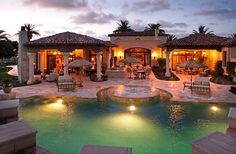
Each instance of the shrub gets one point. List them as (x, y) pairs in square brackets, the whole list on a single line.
[(37, 72), (161, 62), (233, 89), (231, 68), (219, 71)]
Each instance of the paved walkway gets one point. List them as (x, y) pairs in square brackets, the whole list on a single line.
[(219, 93)]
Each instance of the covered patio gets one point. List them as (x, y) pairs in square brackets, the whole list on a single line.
[(204, 48), (57, 51)]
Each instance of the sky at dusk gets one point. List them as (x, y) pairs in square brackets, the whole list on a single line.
[(98, 18)]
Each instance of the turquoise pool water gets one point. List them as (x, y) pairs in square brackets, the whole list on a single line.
[(163, 127)]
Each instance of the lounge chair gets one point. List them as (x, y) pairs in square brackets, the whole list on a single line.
[(201, 84), (66, 82)]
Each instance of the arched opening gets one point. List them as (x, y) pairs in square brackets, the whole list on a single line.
[(143, 54)]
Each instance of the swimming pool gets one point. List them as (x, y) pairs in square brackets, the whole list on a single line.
[(65, 124)]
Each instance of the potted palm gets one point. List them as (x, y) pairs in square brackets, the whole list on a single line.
[(7, 85)]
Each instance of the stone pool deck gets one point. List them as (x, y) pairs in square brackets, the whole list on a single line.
[(219, 93)]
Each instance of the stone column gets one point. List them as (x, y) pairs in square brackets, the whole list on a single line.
[(66, 61), (31, 67), (23, 61), (109, 58), (99, 65), (167, 74)]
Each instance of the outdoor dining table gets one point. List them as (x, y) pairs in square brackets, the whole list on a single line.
[(141, 74)]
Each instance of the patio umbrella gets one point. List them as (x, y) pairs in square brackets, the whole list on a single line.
[(80, 63), (131, 60), (191, 64)]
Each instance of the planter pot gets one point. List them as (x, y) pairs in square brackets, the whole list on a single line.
[(37, 77), (7, 88)]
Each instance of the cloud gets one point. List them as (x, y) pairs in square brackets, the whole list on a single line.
[(137, 25), (50, 32), (150, 5), (221, 14), (60, 4), (167, 24), (92, 17), (90, 33)]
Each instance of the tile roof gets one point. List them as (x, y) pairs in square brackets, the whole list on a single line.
[(199, 40), (66, 38), (136, 33), (232, 43)]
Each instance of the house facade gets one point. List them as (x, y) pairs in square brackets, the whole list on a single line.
[(55, 52), (144, 45)]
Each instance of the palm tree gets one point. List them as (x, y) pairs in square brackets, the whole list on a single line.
[(171, 37), (153, 27), (2, 35), (123, 26), (233, 36), (202, 30), (30, 29)]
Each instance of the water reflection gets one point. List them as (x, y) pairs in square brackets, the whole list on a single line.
[(176, 114)]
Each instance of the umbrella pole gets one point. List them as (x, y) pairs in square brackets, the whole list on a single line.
[(80, 78), (191, 81)]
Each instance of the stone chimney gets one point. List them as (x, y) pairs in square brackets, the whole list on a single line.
[(23, 60), (156, 33)]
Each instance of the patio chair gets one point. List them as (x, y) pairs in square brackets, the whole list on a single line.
[(148, 72), (129, 70), (52, 77), (66, 82), (201, 84)]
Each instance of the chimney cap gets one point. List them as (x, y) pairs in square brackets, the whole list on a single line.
[(22, 28)]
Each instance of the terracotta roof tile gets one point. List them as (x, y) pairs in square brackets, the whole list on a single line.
[(66, 38), (199, 40)]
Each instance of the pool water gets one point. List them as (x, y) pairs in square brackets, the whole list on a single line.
[(65, 125)]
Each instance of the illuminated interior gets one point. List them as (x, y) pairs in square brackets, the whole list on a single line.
[(208, 57), (51, 59)]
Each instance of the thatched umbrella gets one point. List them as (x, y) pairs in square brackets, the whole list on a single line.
[(191, 64), (130, 60), (80, 63)]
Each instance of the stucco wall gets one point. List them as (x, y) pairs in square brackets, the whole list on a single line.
[(233, 54), (147, 42)]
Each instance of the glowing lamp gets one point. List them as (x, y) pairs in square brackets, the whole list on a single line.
[(120, 54), (132, 108), (204, 53), (154, 55), (214, 108), (59, 100), (175, 53), (55, 53)]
